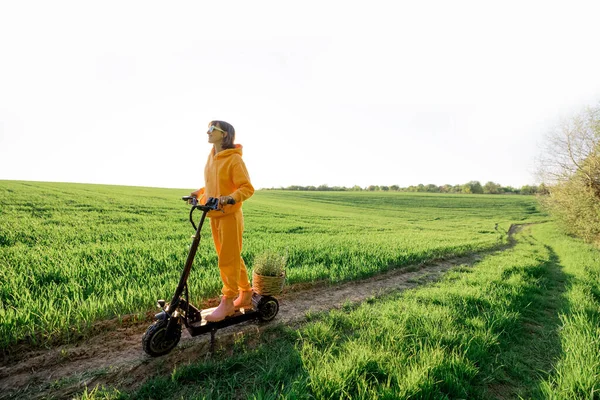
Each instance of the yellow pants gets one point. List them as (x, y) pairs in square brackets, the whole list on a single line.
[(227, 235)]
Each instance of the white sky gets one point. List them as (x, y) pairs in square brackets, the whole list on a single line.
[(320, 92)]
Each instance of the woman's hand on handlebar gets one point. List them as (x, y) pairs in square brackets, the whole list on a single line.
[(223, 200), (190, 200)]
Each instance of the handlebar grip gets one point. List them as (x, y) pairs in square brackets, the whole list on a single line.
[(190, 199)]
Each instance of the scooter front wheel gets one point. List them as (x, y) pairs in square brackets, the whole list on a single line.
[(155, 341)]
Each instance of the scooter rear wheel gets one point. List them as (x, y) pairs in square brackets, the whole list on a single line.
[(268, 308), (155, 342)]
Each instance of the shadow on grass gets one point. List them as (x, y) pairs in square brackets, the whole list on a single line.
[(269, 369), (529, 351)]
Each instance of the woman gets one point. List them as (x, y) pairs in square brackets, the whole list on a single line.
[(226, 178)]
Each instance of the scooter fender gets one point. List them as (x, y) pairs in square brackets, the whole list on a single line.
[(174, 321), (161, 316)]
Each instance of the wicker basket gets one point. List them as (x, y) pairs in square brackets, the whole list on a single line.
[(267, 285)]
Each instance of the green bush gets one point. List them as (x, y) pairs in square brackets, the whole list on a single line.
[(570, 165), (575, 205)]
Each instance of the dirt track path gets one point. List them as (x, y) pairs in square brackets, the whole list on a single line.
[(115, 357)]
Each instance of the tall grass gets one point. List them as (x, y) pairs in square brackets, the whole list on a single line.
[(577, 372), (461, 338), (73, 254)]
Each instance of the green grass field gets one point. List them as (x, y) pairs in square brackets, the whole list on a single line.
[(522, 323), (74, 254)]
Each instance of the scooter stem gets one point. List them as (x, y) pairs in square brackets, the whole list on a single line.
[(188, 266)]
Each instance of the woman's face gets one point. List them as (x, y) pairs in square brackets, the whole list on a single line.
[(217, 134)]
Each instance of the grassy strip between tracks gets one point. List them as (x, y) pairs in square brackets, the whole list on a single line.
[(521, 323)]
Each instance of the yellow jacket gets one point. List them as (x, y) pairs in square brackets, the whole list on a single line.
[(225, 174)]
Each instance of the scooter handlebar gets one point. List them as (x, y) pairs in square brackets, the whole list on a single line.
[(212, 204)]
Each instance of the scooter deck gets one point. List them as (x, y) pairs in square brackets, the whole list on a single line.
[(209, 311), (201, 327)]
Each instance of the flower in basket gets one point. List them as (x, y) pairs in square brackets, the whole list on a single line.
[(268, 274)]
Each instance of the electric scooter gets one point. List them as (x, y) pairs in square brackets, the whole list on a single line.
[(163, 335)]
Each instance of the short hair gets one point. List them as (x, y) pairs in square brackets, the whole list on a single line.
[(230, 137)]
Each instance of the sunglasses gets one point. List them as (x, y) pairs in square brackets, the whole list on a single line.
[(212, 128)]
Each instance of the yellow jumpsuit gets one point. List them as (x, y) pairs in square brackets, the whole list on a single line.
[(225, 174)]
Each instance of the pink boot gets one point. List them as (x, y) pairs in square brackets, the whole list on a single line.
[(224, 310), (244, 300)]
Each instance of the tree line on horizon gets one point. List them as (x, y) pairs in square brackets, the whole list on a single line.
[(472, 187), (568, 164)]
